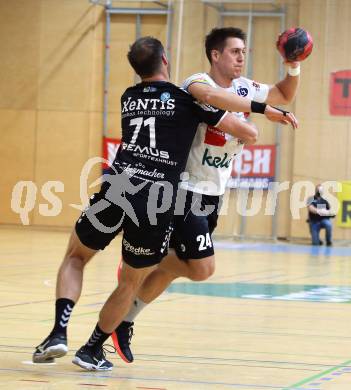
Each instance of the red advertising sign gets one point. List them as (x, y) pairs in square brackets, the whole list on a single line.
[(254, 167), (110, 147), (340, 93)]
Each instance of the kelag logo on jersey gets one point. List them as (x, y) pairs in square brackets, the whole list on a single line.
[(214, 136), (216, 161), (242, 91)]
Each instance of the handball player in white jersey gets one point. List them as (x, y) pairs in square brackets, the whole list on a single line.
[(208, 167)]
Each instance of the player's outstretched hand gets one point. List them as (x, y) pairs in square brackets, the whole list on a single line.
[(278, 115)]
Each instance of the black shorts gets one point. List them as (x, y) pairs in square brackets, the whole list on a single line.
[(143, 244), (192, 234)]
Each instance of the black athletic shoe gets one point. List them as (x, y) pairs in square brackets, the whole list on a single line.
[(121, 339), (54, 346), (91, 360)]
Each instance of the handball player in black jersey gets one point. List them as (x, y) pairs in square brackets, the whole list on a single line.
[(209, 167), (159, 122)]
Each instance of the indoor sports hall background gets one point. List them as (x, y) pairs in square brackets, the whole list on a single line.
[(276, 313), (52, 94)]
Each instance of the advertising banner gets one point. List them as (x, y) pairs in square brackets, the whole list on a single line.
[(254, 167), (340, 93), (343, 218), (110, 147)]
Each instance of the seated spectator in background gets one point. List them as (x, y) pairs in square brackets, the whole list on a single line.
[(319, 215)]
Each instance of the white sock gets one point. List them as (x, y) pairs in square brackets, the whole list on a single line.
[(137, 307)]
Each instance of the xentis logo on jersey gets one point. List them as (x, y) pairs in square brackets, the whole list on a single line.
[(156, 107), (148, 104)]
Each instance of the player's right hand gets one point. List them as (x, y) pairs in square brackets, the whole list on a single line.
[(277, 115)]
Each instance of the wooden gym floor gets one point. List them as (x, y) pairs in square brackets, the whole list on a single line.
[(274, 316)]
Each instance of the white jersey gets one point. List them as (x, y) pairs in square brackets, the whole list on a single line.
[(210, 159)]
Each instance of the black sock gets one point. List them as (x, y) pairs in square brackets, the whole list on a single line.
[(64, 307), (97, 339)]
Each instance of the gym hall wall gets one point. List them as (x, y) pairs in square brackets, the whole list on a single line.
[(51, 83)]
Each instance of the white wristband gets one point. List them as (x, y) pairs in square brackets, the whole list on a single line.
[(293, 71)]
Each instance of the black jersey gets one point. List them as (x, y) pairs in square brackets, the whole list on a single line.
[(319, 203), (159, 121)]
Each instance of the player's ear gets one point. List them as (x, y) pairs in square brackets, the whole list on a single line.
[(214, 55), (164, 59)]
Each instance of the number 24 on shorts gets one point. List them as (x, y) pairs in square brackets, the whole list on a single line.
[(205, 241)]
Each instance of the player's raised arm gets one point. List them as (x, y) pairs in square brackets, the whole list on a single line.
[(285, 90)]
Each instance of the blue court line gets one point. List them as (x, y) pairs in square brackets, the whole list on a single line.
[(323, 376), (285, 248)]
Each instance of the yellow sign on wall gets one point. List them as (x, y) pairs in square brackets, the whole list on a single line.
[(344, 197)]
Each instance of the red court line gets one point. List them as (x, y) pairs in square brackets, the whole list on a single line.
[(91, 384)]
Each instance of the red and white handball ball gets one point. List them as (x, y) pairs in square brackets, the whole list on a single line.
[(295, 44)]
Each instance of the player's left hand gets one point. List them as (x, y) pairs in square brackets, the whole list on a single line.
[(278, 115)]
